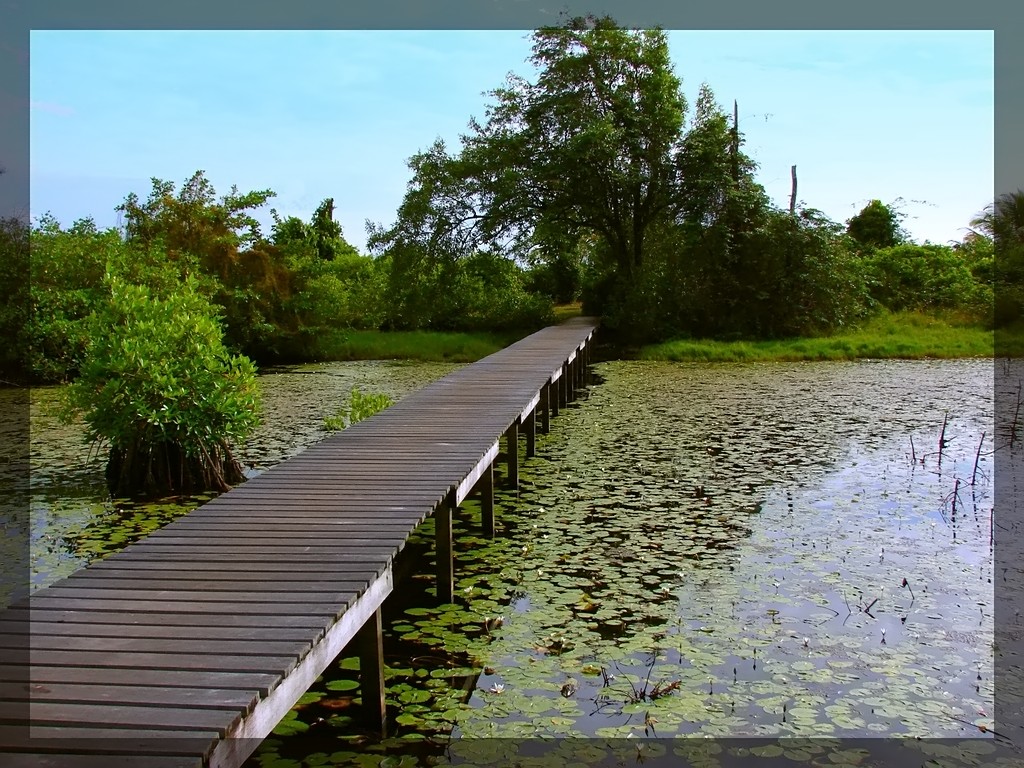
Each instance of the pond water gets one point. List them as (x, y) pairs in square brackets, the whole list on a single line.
[(763, 550)]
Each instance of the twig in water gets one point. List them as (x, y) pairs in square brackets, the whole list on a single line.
[(977, 457), (1016, 413), (913, 455), (982, 728), (907, 585)]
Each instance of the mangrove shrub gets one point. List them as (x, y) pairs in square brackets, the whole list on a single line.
[(160, 388)]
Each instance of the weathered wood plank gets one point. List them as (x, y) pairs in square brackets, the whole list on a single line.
[(65, 760), (42, 674), (103, 661), (192, 582), (200, 698), (173, 645), (181, 617), (106, 741), (130, 718), (191, 631), (327, 610)]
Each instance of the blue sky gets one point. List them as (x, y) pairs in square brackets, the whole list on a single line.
[(874, 114)]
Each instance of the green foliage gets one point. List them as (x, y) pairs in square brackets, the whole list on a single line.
[(876, 226), (1003, 220), (344, 292), (800, 278), (1002, 223), (252, 280), (360, 406), (480, 291), (15, 311), (923, 276), (583, 155), (69, 270), (159, 387)]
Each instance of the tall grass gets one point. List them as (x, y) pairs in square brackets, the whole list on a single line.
[(433, 346), (427, 346), (907, 335)]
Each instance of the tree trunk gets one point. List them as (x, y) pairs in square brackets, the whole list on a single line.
[(792, 195)]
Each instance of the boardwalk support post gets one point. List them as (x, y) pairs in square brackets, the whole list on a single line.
[(545, 406), (487, 501), (512, 455), (531, 433), (443, 549), (370, 641)]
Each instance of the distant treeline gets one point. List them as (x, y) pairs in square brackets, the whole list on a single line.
[(587, 183)]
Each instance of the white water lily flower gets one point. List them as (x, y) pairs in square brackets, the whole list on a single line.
[(496, 688)]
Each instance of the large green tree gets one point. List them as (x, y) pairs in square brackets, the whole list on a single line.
[(877, 225), (253, 281), (589, 146)]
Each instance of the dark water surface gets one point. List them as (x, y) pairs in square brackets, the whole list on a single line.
[(763, 550)]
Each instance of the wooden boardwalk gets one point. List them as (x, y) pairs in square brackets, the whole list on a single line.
[(187, 647)]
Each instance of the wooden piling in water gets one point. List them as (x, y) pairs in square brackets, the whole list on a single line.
[(486, 485), (370, 642), (443, 549), (512, 456)]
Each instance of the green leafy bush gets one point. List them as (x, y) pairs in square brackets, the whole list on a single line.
[(360, 406), (160, 388), (923, 277)]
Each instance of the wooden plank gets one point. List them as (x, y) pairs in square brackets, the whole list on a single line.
[(125, 717), (386, 541), (226, 548), (180, 618), (327, 610), (143, 569), (203, 647), (102, 662), (191, 631), (165, 597), (200, 698), (261, 682), (193, 582), (238, 568), (65, 760), (106, 741)]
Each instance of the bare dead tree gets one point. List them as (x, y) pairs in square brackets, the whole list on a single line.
[(792, 194)]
